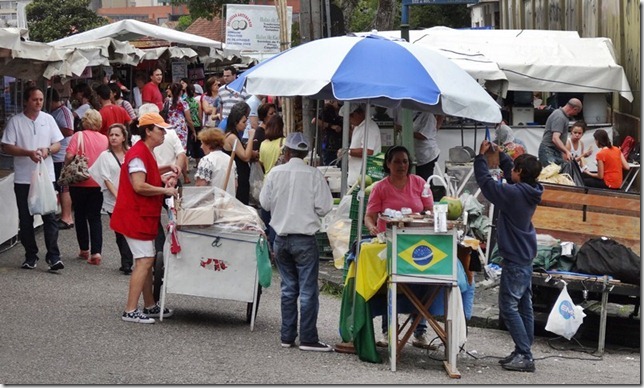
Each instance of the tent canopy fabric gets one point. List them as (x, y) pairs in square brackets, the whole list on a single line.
[(538, 60), (129, 29)]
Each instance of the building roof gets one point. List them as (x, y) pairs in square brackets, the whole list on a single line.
[(212, 29)]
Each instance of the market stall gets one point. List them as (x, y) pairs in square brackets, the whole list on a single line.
[(216, 248)]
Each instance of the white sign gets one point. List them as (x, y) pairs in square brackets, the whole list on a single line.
[(254, 27)]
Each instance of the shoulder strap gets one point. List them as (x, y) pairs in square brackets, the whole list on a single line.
[(81, 147), (115, 158)]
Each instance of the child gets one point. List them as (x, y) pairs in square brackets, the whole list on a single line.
[(516, 202), (576, 146)]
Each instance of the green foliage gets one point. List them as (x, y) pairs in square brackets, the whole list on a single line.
[(50, 20), (449, 15), (184, 22), (206, 8), (363, 15)]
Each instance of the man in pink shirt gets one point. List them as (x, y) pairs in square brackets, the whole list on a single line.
[(151, 92)]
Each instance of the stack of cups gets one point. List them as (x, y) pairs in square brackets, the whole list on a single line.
[(440, 217)]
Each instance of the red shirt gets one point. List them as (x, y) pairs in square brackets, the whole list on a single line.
[(151, 93), (113, 114)]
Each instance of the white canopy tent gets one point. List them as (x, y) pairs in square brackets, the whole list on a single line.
[(476, 64), (538, 60), (129, 29)]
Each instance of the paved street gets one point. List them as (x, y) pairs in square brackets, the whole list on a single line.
[(66, 329)]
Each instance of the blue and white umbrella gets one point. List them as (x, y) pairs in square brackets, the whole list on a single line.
[(372, 69)]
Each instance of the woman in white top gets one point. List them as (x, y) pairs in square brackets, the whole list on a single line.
[(106, 171), (213, 166)]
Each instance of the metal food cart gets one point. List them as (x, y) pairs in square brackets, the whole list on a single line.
[(215, 261)]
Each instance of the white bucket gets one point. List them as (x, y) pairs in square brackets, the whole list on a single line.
[(595, 108)]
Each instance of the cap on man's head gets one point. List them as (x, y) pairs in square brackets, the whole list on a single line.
[(153, 118), (297, 141), (198, 89)]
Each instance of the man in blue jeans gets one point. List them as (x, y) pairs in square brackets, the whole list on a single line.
[(297, 195), (516, 201), (32, 137)]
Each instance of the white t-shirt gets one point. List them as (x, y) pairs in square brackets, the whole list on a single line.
[(212, 168), (106, 168), (167, 152), (357, 141), (426, 149), (30, 134)]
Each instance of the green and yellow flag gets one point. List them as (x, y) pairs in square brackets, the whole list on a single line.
[(362, 283)]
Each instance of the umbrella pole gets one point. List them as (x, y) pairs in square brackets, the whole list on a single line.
[(360, 206), (345, 157)]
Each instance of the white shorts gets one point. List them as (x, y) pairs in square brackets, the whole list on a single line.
[(141, 248)]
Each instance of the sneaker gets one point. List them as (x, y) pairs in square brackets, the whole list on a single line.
[(286, 344), (507, 359), (383, 340), (155, 312), (420, 341), (83, 255), (95, 259), (519, 363), (56, 266), (28, 265), (137, 317), (316, 347)]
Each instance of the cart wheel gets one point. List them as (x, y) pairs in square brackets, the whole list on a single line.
[(157, 276), (249, 307)]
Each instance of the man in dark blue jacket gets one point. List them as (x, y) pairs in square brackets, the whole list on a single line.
[(516, 201)]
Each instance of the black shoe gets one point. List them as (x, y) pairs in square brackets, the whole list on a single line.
[(56, 266), (315, 347), (28, 265), (519, 363), (126, 270), (507, 359)]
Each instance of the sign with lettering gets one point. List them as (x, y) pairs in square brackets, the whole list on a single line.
[(254, 27)]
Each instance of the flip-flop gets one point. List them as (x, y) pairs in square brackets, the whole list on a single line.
[(63, 225)]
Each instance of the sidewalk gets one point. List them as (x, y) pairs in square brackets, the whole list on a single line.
[(485, 311)]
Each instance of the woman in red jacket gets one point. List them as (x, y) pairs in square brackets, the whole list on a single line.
[(137, 213)]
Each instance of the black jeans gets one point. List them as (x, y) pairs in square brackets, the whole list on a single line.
[(87, 203), (124, 249), (426, 170), (27, 235)]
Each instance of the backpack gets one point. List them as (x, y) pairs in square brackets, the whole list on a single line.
[(605, 256), (627, 146), (194, 111)]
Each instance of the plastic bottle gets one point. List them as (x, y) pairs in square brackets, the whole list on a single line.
[(426, 190)]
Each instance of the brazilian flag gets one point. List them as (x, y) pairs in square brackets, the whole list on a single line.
[(425, 254), (362, 282)]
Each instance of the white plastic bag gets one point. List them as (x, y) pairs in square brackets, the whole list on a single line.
[(565, 318), (42, 196)]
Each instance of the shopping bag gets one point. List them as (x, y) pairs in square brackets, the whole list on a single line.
[(42, 197), (256, 181), (565, 318)]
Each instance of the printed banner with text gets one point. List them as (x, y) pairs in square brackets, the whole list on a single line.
[(254, 27)]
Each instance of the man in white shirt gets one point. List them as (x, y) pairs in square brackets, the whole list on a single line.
[(31, 137), (361, 124), (297, 195), (230, 97), (425, 127)]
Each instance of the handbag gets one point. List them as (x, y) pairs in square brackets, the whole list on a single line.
[(77, 169)]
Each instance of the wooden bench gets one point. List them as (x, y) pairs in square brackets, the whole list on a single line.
[(578, 214)]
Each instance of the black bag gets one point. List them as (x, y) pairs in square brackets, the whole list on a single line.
[(572, 168), (605, 256)]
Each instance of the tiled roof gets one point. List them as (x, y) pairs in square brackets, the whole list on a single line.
[(211, 29)]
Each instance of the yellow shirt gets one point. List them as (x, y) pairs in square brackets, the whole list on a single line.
[(269, 151)]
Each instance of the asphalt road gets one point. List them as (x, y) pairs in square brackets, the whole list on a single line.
[(65, 328)]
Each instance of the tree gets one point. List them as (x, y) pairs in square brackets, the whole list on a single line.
[(184, 22), (206, 8), (50, 20)]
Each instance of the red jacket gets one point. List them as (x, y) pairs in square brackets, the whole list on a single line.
[(137, 216)]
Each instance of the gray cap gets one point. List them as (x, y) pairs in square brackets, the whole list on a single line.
[(297, 141), (198, 89)]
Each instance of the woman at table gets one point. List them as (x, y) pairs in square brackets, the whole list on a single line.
[(397, 190), (610, 163)]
